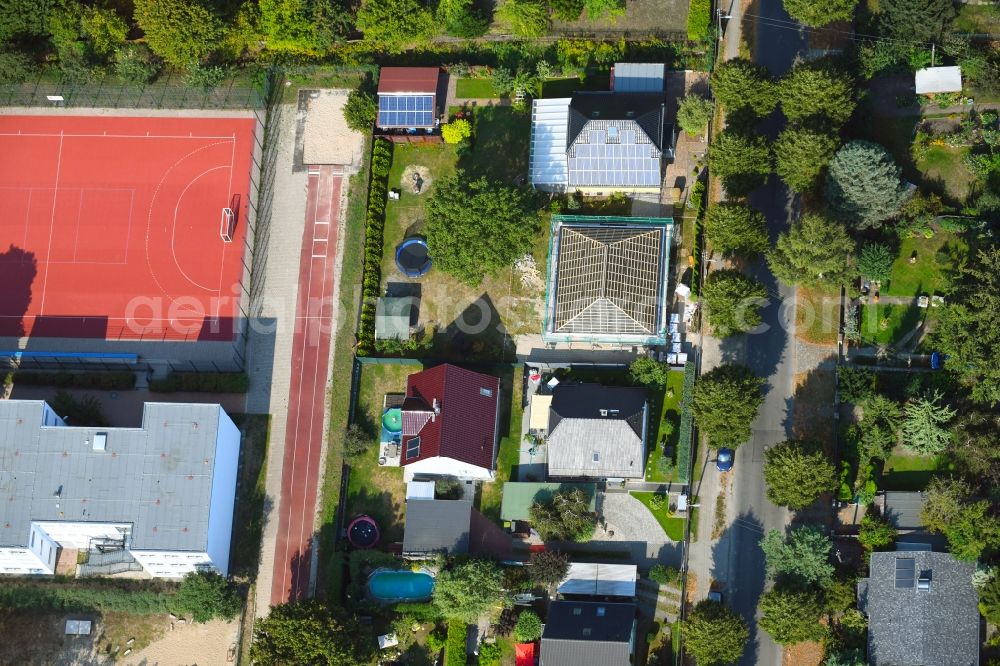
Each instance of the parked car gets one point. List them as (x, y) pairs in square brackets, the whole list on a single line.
[(724, 461)]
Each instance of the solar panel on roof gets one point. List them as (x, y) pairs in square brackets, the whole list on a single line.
[(905, 572), (405, 110)]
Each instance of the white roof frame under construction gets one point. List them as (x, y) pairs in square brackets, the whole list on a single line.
[(548, 168)]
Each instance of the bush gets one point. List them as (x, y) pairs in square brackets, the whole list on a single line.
[(699, 20), (454, 650), (664, 575), (356, 441), (360, 111), (694, 114), (456, 131), (202, 382), (436, 641), (135, 63), (205, 76), (685, 431), (205, 595), (104, 595), (528, 627), (381, 163), (104, 381), (83, 412), (15, 67), (490, 654)]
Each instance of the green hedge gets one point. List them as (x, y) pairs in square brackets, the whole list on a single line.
[(105, 381), (82, 598), (699, 20), (454, 649), (684, 439), (202, 382), (371, 280)]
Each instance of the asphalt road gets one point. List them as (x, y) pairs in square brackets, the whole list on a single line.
[(769, 352)]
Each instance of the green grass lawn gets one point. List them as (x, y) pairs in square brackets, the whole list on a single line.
[(669, 413), (510, 447), (566, 87), (817, 315), (888, 324), (500, 137), (945, 166), (929, 273), (475, 89), (903, 471), (672, 525)]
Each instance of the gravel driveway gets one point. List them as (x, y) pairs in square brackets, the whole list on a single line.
[(629, 519)]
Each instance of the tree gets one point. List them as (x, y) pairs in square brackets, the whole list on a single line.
[(856, 384), (989, 600), (944, 498), (741, 161), (815, 253), (694, 113), (864, 185), (916, 20), (205, 595), (524, 18), (974, 448), (875, 262), (565, 517), (924, 421), (791, 615), (182, 32), (732, 302), (714, 634), (105, 29), (968, 329), (395, 23), (817, 13), (566, 10), (742, 84), (875, 532), (25, 18), (797, 472), (879, 427), (15, 67), (136, 63), (599, 9), (734, 228), (528, 628), (456, 131), (803, 558), (360, 110), (725, 404), (647, 371), (817, 93), (303, 26), (801, 154), (661, 574), (475, 227), (462, 18), (548, 567), (310, 632), (967, 523), (468, 590)]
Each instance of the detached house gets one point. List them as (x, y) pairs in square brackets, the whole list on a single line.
[(586, 633), (450, 418), (597, 431)]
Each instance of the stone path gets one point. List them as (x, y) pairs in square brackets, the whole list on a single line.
[(663, 600)]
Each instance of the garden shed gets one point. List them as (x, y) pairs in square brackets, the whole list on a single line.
[(933, 80)]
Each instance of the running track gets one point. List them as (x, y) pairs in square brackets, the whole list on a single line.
[(307, 392)]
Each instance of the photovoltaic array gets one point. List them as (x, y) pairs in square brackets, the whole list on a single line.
[(405, 110)]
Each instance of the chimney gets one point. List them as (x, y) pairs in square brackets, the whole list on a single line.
[(436, 408), (604, 412), (924, 584)]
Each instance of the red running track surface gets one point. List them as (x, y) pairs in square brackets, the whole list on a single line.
[(110, 226), (307, 393)]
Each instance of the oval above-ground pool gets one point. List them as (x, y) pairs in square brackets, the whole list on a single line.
[(413, 258), (392, 420), (388, 586)]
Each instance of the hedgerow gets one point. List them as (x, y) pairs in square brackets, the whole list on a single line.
[(374, 239)]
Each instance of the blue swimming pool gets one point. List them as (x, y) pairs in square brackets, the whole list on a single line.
[(391, 586)]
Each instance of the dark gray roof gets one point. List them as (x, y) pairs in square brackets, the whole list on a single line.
[(616, 139), (911, 626), (157, 477), (437, 525), (902, 509), (581, 633), (590, 420)]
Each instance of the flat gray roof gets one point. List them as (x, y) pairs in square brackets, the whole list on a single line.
[(638, 77), (902, 509), (157, 477)]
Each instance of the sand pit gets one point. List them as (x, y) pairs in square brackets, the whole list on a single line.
[(327, 139), (410, 184), (207, 643)]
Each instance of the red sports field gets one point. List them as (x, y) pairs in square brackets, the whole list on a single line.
[(110, 226)]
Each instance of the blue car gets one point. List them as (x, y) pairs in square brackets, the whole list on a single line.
[(724, 461)]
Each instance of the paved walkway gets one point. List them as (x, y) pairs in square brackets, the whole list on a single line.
[(311, 344), (627, 519)]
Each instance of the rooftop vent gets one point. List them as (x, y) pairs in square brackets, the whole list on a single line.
[(586, 631), (577, 611), (601, 610), (604, 412), (485, 392), (924, 583), (100, 441), (597, 457)]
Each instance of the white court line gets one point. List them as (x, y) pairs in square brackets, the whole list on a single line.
[(173, 233), (52, 224), (232, 168), (76, 236), (131, 209), (114, 136)]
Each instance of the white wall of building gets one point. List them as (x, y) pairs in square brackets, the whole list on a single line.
[(21, 562), (220, 514), (443, 466), (75, 534), (171, 563)]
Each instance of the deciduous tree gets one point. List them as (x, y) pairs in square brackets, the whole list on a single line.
[(815, 252), (817, 93), (475, 227), (360, 110), (791, 615), (456, 131), (310, 632), (864, 185), (303, 26), (462, 18), (974, 446), (797, 472), (875, 532), (741, 161), (924, 424), (732, 302), (548, 567), (714, 634), (205, 595), (694, 113), (565, 517), (725, 404), (468, 590), (817, 13), (182, 32), (802, 558), (524, 18), (648, 371), (801, 154), (734, 228), (916, 20), (740, 84), (395, 23)]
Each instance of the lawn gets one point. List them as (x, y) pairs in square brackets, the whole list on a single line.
[(889, 324), (475, 89), (903, 471), (672, 525), (373, 490), (566, 87), (945, 167), (928, 273), (670, 413), (248, 518), (464, 322), (817, 316), (510, 449)]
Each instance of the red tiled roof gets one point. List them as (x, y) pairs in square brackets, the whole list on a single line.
[(465, 428), (408, 80)]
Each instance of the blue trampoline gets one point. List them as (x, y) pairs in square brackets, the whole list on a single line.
[(413, 258)]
